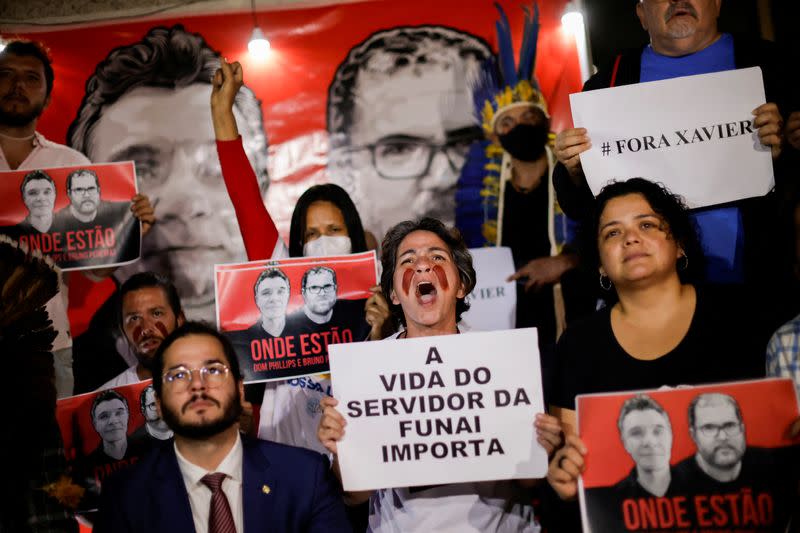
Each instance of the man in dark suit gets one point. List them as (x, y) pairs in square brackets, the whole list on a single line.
[(211, 479)]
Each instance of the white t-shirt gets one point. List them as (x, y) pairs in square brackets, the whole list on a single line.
[(498, 506), (290, 411), (47, 154)]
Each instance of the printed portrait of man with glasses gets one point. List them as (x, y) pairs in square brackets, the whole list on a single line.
[(400, 122), (323, 310), (154, 426), (86, 209), (724, 465)]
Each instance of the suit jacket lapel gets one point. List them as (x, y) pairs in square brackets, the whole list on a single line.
[(169, 493), (257, 487)]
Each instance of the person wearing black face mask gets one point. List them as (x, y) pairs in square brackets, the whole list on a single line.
[(518, 207), (528, 216)]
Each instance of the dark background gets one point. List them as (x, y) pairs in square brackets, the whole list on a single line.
[(613, 25)]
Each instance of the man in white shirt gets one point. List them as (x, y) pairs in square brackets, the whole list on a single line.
[(26, 81), (211, 479), (150, 310)]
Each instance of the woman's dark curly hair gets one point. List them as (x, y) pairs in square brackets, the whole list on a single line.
[(455, 243), (672, 210)]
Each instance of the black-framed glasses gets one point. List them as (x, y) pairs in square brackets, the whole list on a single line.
[(211, 375), (319, 289), (399, 157), (731, 429), (82, 191)]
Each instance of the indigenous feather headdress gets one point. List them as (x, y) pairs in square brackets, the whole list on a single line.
[(500, 86), (516, 85)]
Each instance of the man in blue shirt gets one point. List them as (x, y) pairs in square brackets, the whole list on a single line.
[(741, 241)]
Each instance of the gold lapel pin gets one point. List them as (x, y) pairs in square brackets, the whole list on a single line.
[(265, 489)]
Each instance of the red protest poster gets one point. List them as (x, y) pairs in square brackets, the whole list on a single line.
[(107, 431), (709, 458), (281, 315), (79, 216), (341, 79)]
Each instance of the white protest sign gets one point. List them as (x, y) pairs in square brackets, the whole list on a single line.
[(493, 301), (446, 409), (693, 134)]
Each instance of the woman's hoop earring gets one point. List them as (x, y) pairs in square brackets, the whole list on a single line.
[(602, 286), (683, 266)]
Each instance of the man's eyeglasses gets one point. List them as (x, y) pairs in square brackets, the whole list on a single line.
[(319, 289), (82, 191), (180, 378), (398, 157), (731, 429)]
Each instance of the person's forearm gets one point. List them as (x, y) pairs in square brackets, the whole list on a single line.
[(571, 260), (225, 128), (255, 223)]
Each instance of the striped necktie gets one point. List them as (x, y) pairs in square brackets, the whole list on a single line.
[(220, 518)]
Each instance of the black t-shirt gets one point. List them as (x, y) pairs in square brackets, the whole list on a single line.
[(348, 318), (525, 232), (525, 223), (723, 344), (768, 478)]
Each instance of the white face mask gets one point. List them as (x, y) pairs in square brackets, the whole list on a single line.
[(325, 245)]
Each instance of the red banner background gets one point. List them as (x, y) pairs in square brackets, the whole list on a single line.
[(236, 302), (307, 46), (768, 407)]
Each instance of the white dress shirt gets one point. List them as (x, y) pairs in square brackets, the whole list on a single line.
[(200, 494)]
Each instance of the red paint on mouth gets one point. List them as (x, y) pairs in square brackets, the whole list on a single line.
[(407, 275), (441, 276)]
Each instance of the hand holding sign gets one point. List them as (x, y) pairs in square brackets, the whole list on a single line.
[(770, 127), (331, 425), (144, 211), (378, 315), (710, 152), (548, 432), (570, 144), (434, 410), (566, 467)]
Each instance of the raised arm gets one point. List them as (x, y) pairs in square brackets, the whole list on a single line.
[(261, 239)]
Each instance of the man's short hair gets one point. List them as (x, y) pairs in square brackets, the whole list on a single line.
[(33, 176), (143, 398), (193, 328), (317, 270), (640, 402), (455, 243), (82, 172), (170, 58), (404, 45), (701, 400), (107, 396), (271, 272), (27, 48), (146, 280)]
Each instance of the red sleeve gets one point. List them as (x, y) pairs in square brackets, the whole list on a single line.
[(258, 229)]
